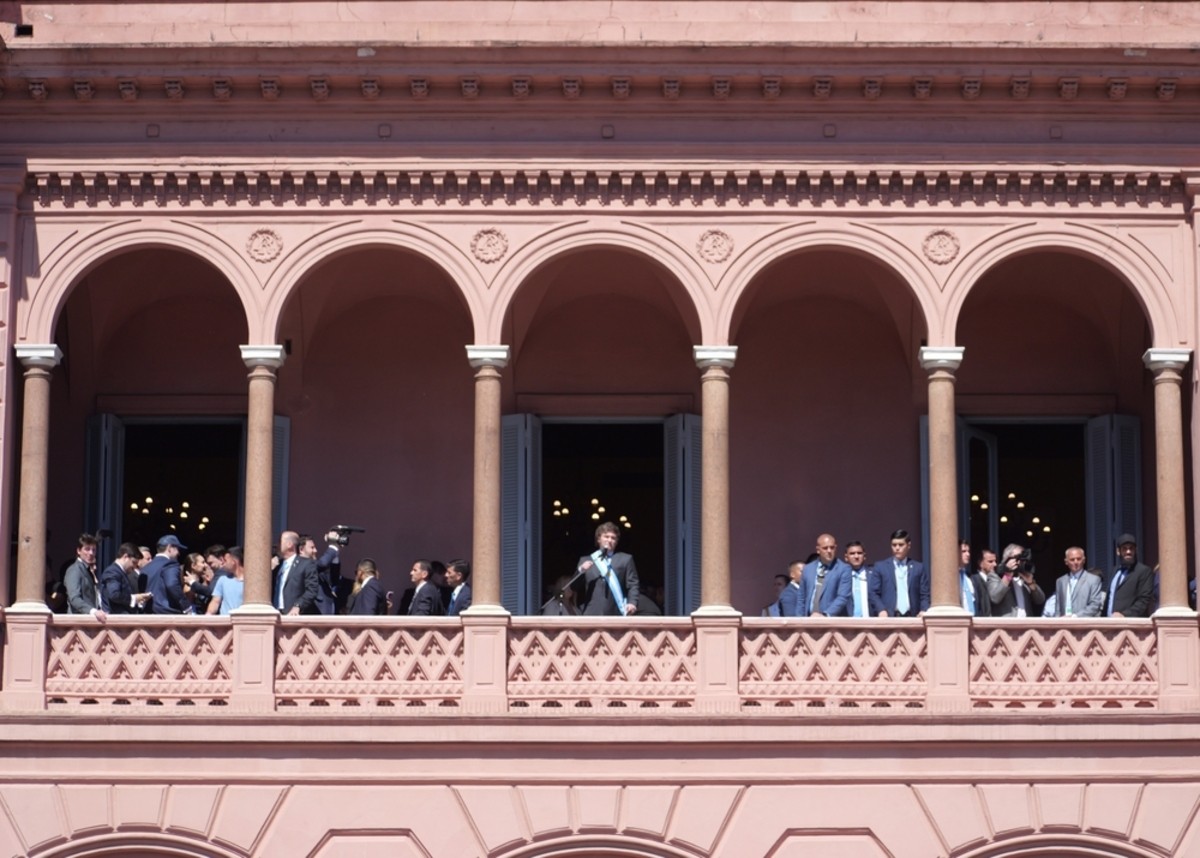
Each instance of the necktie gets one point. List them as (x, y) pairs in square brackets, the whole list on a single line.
[(902, 604), (283, 574), (818, 590), (1118, 579)]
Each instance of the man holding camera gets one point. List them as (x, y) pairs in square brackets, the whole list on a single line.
[(1012, 588), (1129, 588)]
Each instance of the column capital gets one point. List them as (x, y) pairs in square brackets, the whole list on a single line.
[(722, 356), (270, 356), (38, 356), (948, 358), (481, 356), (1157, 360)]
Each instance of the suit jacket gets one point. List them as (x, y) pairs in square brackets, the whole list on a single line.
[(165, 582), (116, 591), (837, 599), (1089, 595), (81, 589), (918, 586), (301, 588), (370, 600), (874, 591), (979, 592), (1135, 594), (1004, 597), (457, 606), (329, 573), (594, 597), (426, 601)]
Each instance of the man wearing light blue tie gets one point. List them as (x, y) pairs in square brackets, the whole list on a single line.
[(904, 581), (609, 584), (864, 583)]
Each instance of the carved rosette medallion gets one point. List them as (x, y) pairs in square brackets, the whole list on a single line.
[(264, 245), (714, 246), (940, 246), (489, 245)]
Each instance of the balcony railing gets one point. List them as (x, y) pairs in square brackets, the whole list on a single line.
[(749, 667)]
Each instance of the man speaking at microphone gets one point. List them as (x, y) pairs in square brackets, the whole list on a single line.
[(609, 584)]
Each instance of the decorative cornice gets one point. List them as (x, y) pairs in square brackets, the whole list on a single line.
[(764, 187), (38, 355), (270, 356), (481, 356), (941, 358), (1157, 360)]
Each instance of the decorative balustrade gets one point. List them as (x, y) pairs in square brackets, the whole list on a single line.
[(848, 664), (1050, 666), (743, 667), (128, 661)]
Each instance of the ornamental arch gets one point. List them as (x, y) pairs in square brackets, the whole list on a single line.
[(296, 264), (825, 407), (62, 270), (376, 397), (597, 846)]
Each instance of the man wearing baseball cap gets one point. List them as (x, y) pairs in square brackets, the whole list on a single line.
[(164, 581), (1129, 589)]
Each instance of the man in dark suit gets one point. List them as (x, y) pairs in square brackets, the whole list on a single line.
[(1129, 588), (904, 582), (426, 599), (864, 583), (296, 586), (825, 583), (116, 591), (609, 585), (367, 599), (329, 569), (164, 579), (83, 595), (457, 573)]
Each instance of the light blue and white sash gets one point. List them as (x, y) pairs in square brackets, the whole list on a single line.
[(605, 566)]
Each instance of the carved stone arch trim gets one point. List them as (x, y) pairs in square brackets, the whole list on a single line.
[(584, 235), (1056, 846), (1106, 248), (302, 260), (597, 846), (156, 845), (63, 271), (855, 238)]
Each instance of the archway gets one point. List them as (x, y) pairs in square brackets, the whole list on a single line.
[(379, 396), (825, 401), (1056, 403), (602, 369)]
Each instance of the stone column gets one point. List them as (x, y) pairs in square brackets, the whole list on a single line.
[(39, 361), (487, 361), (941, 363), (1167, 366), (714, 363), (263, 362)]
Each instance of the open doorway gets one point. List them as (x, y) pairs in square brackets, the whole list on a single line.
[(593, 473), (182, 478)]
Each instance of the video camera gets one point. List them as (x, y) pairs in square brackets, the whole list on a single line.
[(1025, 558), (343, 533)]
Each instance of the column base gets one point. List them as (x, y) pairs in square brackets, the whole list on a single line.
[(948, 611)]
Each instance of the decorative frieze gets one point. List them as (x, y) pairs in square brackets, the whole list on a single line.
[(758, 188)]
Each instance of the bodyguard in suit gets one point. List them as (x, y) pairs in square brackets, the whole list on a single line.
[(609, 584), (83, 595), (1078, 593), (329, 570), (427, 599), (904, 582), (164, 579), (367, 599), (296, 586), (825, 583), (864, 583), (973, 588), (457, 573), (1129, 588)]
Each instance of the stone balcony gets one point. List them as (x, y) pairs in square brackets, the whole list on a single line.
[(733, 667)]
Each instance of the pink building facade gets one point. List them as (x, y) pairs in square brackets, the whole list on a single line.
[(474, 276)]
